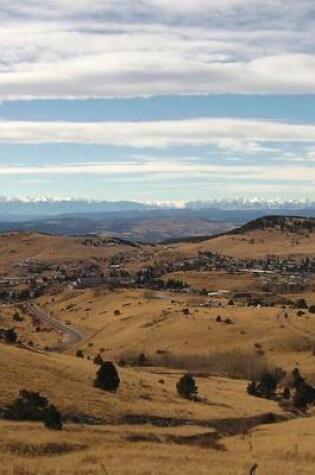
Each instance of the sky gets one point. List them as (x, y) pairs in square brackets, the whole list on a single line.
[(157, 100)]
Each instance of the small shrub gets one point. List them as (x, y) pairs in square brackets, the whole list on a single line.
[(269, 418), (79, 354), (268, 385), (260, 352), (17, 318), (98, 360), (265, 388), (10, 336), (286, 393), (52, 418), (142, 360), (252, 389), (304, 396), (228, 321), (301, 304)]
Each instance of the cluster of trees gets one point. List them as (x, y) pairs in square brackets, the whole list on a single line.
[(301, 304), (289, 223), (32, 406), (299, 391), (265, 388)]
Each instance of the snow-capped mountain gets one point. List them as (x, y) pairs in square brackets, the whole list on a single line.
[(254, 204), (17, 209)]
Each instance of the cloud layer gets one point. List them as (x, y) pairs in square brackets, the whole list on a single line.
[(228, 134), (93, 48)]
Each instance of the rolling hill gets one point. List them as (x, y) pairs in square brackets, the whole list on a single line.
[(146, 427), (18, 246), (271, 235), (154, 337)]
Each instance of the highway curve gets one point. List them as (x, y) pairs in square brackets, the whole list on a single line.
[(71, 336)]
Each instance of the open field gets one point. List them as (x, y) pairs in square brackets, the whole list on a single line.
[(217, 280), (119, 450)]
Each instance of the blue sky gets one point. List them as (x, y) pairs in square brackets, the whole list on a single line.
[(149, 101)]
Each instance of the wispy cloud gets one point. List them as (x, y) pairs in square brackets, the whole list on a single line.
[(257, 173), (228, 134)]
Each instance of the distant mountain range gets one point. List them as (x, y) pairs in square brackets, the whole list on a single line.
[(15, 209), (140, 221)]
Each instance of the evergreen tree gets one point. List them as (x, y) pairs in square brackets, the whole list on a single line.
[(107, 377)]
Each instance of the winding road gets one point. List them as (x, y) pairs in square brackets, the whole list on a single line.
[(71, 336)]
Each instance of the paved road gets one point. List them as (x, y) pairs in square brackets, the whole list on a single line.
[(71, 336)]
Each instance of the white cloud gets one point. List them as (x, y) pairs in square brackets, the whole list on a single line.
[(252, 177), (227, 134)]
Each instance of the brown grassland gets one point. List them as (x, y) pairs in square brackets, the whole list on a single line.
[(16, 246), (146, 427), (118, 447), (255, 244)]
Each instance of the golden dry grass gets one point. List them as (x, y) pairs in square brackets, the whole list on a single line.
[(29, 329), (68, 383), (16, 246), (154, 322), (213, 280), (118, 448), (29, 449), (157, 325), (255, 244), (284, 449)]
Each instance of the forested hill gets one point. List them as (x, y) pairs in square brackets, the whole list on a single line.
[(285, 223)]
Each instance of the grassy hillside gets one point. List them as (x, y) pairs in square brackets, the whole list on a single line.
[(17, 246), (256, 244), (224, 432), (125, 323)]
